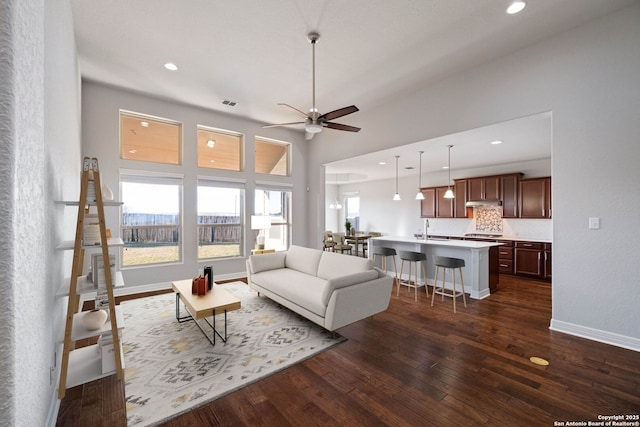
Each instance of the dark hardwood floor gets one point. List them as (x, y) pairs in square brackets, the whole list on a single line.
[(420, 365)]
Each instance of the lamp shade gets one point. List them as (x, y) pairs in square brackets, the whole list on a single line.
[(259, 222)]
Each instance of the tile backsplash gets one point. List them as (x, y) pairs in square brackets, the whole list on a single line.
[(488, 219)]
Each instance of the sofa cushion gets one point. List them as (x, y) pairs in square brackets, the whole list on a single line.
[(270, 261), (303, 259), (342, 281), (335, 265), (301, 289)]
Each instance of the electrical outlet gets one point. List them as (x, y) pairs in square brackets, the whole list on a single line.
[(594, 223), (52, 368)]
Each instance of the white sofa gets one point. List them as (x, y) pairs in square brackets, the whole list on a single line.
[(330, 289)]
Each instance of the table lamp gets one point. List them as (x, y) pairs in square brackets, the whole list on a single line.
[(260, 223)]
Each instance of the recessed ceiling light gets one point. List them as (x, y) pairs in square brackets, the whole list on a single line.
[(144, 124), (211, 143), (171, 66), (496, 142), (516, 6), (445, 167), (382, 163)]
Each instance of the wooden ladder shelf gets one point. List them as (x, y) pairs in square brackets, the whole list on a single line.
[(90, 177)]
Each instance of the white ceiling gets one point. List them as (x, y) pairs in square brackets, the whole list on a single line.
[(256, 53)]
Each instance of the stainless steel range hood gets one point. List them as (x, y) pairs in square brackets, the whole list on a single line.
[(474, 203)]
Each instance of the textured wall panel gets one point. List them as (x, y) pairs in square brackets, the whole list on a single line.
[(7, 161)]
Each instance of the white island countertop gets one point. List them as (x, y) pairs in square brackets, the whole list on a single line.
[(471, 244)]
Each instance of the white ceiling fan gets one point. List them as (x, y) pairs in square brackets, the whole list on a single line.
[(314, 121)]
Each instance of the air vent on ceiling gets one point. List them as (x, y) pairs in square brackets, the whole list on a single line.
[(229, 103)]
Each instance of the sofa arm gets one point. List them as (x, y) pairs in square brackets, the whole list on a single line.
[(264, 262), (353, 303)]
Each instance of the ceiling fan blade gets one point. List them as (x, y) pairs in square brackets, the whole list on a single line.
[(339, 126), (298, 112), (283, 124), (338, 113)]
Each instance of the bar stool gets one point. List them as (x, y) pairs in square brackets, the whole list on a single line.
[(413, 258), (385, 253), (448, 264)]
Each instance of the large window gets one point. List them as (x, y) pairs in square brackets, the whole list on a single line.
[(150, 139), (275, 203), (272, 157), (151, 218), (219, 149), (220, 207), (352, 211)]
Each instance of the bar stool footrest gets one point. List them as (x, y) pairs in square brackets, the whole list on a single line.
[(439, 291)]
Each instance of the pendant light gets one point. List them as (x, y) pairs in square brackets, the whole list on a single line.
[(420, 196), (449, 193), (397, 195), (336, 204)]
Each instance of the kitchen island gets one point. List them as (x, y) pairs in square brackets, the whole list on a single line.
[(481, 259)]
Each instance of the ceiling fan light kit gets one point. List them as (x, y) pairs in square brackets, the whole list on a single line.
[(314, 121)]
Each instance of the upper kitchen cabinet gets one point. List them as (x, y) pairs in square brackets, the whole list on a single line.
[(535, 198), (509, 191), (444, 207), (460, 189), (428, 205), (434, 204), (484, 188)]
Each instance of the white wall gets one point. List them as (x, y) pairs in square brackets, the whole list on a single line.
[(40, 118), (100, 134), (589, 78)]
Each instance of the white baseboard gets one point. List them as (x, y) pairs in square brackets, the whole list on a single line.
[(595, 335), (54, 407)]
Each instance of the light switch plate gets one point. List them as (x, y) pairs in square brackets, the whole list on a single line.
[(594, 223)]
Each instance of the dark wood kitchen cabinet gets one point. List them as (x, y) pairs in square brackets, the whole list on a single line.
[(428, 205), (444, 207), (434, 204), (484, 188), (505, 257), (547, 262), (533, 259), (535, 198), (509, 194), (460, 209)]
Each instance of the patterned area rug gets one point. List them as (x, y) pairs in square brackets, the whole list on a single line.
[(171, 367)]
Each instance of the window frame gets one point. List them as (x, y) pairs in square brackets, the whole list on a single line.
[(355, 220), (156, 178), (288, 145), (288, 207), (240, 136), (208, 181), (150, 118)]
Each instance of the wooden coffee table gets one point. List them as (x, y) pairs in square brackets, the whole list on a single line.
[(201, 307)]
